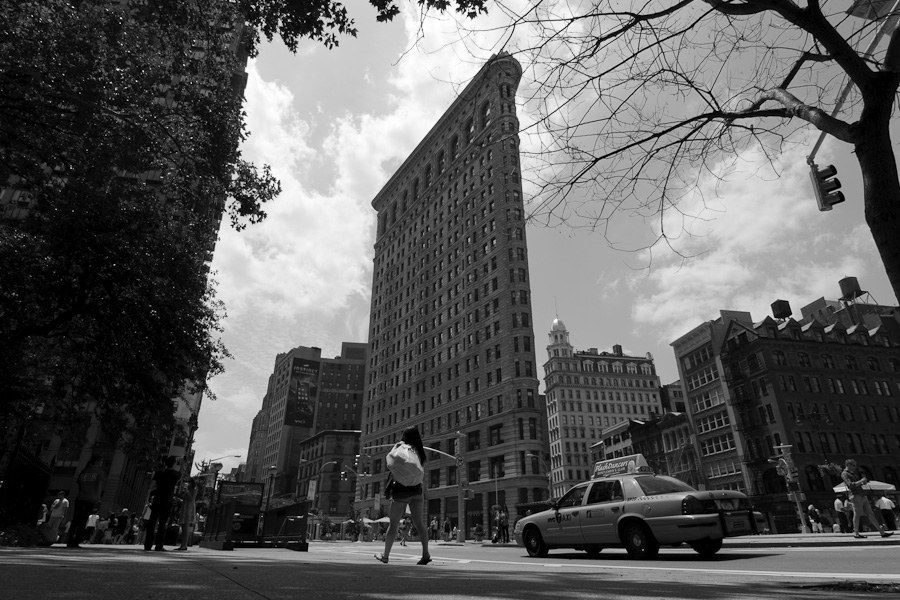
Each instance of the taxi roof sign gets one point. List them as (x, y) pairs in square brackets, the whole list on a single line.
[(633, 463)]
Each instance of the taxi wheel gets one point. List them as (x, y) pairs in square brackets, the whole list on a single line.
[(534, 543), (639, 542), (707, 548)]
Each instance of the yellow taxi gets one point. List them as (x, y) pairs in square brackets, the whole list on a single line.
[(626, 504)]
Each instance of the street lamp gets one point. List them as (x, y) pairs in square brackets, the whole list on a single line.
[(549, 474)]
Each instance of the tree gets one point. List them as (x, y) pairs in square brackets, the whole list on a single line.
[(119, 135), (636, 101)]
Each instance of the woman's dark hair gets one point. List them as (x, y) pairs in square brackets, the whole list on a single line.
[(411, 436)]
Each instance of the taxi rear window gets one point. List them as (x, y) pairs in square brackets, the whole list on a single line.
[(654, 485)]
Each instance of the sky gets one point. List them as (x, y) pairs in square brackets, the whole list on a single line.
[(335, 124)]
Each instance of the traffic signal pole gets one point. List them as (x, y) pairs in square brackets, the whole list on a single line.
[(824, 189)]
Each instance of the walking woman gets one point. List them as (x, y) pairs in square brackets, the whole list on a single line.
[(188, 514), (401, 497)]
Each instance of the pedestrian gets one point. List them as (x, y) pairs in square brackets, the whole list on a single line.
[(403, 497), (446, 529), (90, 491), (404, 530), (58, 511), (42, 514), (861, 505), (110, 529), (815, 520), (123, 524), (163, 488), (841, 514), (188, 514), (886, 506), (504, 525), (90, 530), (433, 534)]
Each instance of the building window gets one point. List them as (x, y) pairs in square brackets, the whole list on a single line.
[(780, 358), (496, 436), (474, 470)]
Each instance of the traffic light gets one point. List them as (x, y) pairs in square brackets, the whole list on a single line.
[(825, 187)]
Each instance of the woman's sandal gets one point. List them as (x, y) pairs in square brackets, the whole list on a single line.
[(424, 560), (381, 558)]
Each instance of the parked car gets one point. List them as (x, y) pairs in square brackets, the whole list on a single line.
[(626, 505)]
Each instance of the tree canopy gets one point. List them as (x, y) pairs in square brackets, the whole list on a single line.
[(120, 126)]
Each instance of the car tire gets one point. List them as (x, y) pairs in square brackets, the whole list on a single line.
[(707, 548), (534, 543), (639, 541), (594, 552)]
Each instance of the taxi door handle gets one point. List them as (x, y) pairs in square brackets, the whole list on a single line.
[(615, 509)]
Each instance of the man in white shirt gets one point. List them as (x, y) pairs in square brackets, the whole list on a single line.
[(840, 510), (91, 527), (886, 506), (58, 511)]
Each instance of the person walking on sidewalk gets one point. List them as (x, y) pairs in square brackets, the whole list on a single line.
[(841, 514), (163, 489), (886, 506), (188, 514), (861, 505), (58, 511), (90, 491)]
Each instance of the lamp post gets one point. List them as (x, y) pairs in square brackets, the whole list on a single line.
[(549, 474), (461, 500)]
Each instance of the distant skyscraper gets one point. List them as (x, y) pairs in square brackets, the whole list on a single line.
[(307, 394), (588, 394), (451, 339)]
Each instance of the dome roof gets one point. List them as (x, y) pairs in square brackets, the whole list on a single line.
[(558, 325)]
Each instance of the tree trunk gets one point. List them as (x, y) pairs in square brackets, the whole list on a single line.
[(881, 185)]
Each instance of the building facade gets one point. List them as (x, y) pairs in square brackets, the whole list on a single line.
[(306, 394), (452, 348), (719, 450), (590, 393), (819, 394)]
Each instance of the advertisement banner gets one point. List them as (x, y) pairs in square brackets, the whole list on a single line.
[(302, 391)]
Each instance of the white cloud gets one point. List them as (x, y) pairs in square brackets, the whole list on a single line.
[(764, 240)]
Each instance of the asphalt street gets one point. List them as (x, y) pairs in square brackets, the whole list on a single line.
[(813, 567)]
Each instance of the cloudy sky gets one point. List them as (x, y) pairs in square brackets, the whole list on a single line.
[(334, 125)]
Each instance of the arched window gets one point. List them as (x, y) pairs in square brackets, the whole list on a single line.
[(441, 162), (470, 130), (827, 361), (454, 147), (485, 114), (779, 357), (427, 176), (873, 363)]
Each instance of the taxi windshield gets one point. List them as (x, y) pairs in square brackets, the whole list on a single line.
[(654, 485)]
